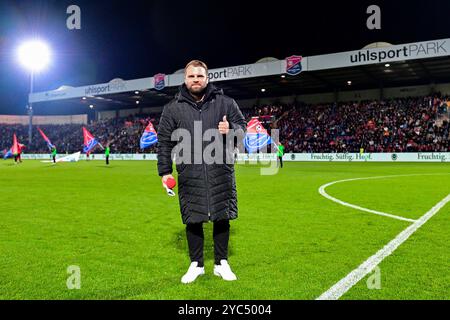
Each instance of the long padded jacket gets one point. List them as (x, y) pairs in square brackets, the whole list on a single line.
[(206, 189)]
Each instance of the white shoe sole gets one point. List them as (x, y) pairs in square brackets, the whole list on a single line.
[(216, 273), (186, 282)]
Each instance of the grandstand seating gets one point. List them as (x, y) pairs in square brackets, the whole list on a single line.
[(397, 125)]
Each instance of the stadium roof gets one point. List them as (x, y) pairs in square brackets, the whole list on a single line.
[(371, 67)]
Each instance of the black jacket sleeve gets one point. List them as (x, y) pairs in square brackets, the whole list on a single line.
[(166, 126), (235, 117), (238, 124)]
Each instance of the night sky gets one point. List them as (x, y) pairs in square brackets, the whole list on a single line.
[(134, 39)]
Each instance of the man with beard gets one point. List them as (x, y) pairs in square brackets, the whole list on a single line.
[(207, 191)]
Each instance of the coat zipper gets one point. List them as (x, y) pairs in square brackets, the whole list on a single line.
[(206, 175)]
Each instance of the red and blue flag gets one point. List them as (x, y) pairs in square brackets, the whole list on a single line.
[(89, 141), (256, 136), (49, 143), (15, 148), (7, 154), (149, 137)]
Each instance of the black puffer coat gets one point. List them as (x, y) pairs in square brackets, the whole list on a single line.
[(207, 192)]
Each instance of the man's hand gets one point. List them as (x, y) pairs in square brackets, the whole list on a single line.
[(224, 126), (164, 179)]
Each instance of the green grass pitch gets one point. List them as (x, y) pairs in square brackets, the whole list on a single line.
[(125, 234)]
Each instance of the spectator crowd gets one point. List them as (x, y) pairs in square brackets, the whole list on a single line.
[(397, 125)]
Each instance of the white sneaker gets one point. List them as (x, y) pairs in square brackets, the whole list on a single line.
[(192, 273), (223, 270)]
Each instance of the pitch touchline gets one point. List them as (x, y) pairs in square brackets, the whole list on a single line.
[(326, 195), (356, 275), (336, 291)]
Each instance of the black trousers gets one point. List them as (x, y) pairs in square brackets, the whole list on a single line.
[(281, 161), (107, 159), (54, 159), (195, 238)]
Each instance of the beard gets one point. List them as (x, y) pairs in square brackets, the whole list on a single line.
[(197, 92)]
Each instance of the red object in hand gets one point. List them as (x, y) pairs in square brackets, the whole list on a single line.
[(171, 183)]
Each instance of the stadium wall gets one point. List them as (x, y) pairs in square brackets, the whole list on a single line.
[(301, 157), (128, 112), (44, 120), (352, 95), (327, 97), (111, 114), (106, 115)]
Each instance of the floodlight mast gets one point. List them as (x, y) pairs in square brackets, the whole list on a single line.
[(34, 55)]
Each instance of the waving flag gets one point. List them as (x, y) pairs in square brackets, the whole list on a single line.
[(149, 137), (89, 141), (49, 144), (256, 137), (7, 154), (15, 147)]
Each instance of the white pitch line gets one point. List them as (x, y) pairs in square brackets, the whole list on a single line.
[(326, 195), (336, 291)]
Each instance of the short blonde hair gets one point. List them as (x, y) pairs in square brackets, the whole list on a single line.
[(196, 63)]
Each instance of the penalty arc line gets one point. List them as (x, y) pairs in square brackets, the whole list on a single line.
[(356, 275), (326, 195), (336, 291)]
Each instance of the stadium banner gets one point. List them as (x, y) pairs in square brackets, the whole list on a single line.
[(255, 157), (117, 156), (266, 157), (401, 52), (369, 157), (114, 86), (122, 156), (260, 69), (246, 71), (45, 120), (37, 156)]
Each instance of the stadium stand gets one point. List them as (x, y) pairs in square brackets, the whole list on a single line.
[(397, 125)]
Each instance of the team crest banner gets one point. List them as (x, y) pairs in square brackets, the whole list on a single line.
[(159, 81), (293, 65)]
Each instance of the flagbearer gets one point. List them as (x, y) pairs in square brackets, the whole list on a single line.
[(54, 154), (280, 154), (107, 154), (17, 158), (17, 149), (19, 154)]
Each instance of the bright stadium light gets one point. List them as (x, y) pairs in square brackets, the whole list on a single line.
[(34, 55)]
